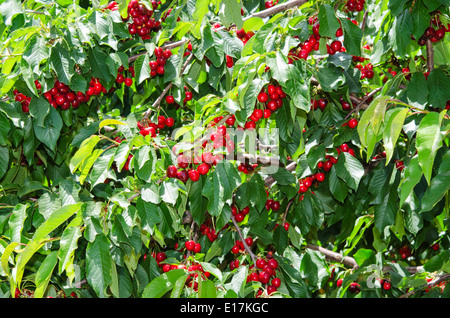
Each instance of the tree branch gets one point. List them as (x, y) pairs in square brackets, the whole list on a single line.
[(333, 256), (430, 55), (429, 285)]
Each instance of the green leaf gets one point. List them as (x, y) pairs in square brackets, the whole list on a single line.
[(350, 170), (162, 284), (10, 8), (412, 176), (429, 140), (400, 32), (49, 133), (338, 187), (98, 265), (86, 148), (62, 63), (230, 13), (439, 88), (39, 110), (57, 218), (220, 186), (370, 123), (384, 213), (44, 274), (7, 256), (35, 52), (142, 68), (328, 21), (313, 267), (4, 160), (439, 186), (352, 37), (101, 167), (417, 91), (16, 222), (392, 130), (68, 246)]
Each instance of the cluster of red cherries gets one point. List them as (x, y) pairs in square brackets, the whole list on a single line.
[(60, 95), (366, 70), (243, 35), (149, 128), (157, 66), (239, 247), (239, 215), (355, 5), (272, 98), (265, 273), (142, 20), (433, 33)]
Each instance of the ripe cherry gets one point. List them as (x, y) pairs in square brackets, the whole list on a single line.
[(172, 171), (352, 123), (276, 282), (194, 175), (170, 99), (264, 277), (239, 217), (197, 248), (320, 176), (170, 121), (203, 168), (190, 245)]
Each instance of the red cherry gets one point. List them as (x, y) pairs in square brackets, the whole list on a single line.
[(267, 113), (239, 217), (161, 256), (344, 148), (273, 263), (276, 282), (352, 123), (320, 176), (194, 175), (170, 99), (197, 248), (276, 205), (190, 245), (260, 263), (264, 277), (128, 81), (235, 249), (170, 121), (386, 285)]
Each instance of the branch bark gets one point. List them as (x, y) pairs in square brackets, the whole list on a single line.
[(246, 247), (430, 55), (333, 256)]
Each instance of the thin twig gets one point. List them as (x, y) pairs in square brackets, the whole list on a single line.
[(246, 247), (429, 285), (430, 55)]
